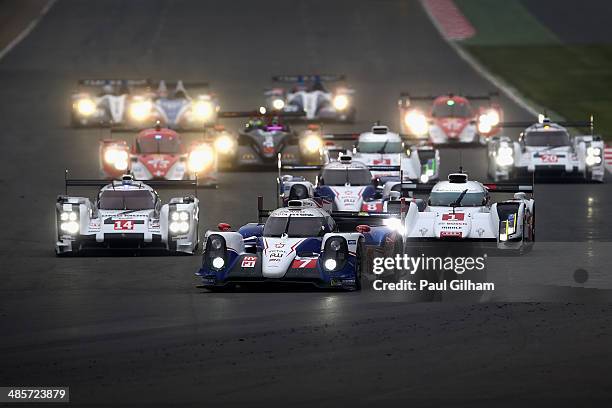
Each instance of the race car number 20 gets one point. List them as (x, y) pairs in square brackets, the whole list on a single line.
[(124, 225)]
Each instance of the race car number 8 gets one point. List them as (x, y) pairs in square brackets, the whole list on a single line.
[(124, 225)]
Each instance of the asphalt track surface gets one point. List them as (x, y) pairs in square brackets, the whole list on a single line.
[(136, 331)]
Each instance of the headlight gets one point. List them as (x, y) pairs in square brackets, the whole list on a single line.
[(492, 117), (330, 264), (424, 178), (178, 227), (86, 107), (594, 151), (203, 110), (69, 222), (179, 216), (218, 262), (225, 144), (117, 158), (417, 123), (593, 160), (200, 158), (140, 110), (278, 104), (341, 102), (487, 120), (395, 224), (313, 143), (335, 253), (505, 156)]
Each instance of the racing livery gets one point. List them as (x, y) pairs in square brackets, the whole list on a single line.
[(459, 210), (159, 154), (386, 155), (451, 119), (310, 96), (126, 214), (264, 137), (300, 243), (547, 149)]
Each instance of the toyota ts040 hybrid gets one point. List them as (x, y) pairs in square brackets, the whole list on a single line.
[(451, 119), (387, 155), (311, 96), (300, 243), (460, 210), (547, 149), (160, 154), (264, 137), (126, 214)]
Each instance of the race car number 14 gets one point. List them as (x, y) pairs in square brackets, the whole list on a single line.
[(124, 225)]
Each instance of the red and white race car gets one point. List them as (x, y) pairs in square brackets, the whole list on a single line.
[(451, 119), (159, 154)]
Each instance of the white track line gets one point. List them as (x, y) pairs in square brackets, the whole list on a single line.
[(509, 91), (23, 34)]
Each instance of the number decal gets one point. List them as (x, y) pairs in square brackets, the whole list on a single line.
[(123, 225), (549, 158)]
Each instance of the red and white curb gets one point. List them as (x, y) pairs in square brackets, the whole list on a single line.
[(608, 158), (451, 21)]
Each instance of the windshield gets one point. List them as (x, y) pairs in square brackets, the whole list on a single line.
[(164, 145), (445, 199), (457, 110), (340, 177), (547, 138), (126, 200), (299, 227), (380, 147)]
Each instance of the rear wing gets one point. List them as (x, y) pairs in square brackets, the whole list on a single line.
[(113, 82), (589, 124), (384, 168), (489, 96), (259, 113), (341, 136), (508, 188), (309, 78), (187, 84)]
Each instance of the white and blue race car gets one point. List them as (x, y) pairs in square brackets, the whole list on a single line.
[(299, 244)]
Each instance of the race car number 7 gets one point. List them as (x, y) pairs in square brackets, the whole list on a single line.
[(124, 225)]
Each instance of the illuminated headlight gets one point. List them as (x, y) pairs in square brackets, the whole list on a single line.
[(179, 216), (69, 222), (593, 160), (203, 110), (117, 158), (330, 264), (487, 120), (416, 122), (492, 117), (341, 102), (278, 104), (594, 151), (424, 178), (200, 158), (177, 227), (218, 262), (313, 143), (503, 237), (395, 224), (225, 144), (505, 156), (140, 110), (86, 107)]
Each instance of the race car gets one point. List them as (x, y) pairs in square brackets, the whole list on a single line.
[(103, 102), (547, 149), (159, 154), (178, 109), (310, 96), (264, 137), (451, 120), (299, 244), (126, 214), (460, 211), (387, 157)]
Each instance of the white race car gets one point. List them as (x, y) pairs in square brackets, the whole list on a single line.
[(387, 157), (547, 149), (126, 214), (460, 210)]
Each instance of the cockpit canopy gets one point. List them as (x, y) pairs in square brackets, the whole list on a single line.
[(126, 200)]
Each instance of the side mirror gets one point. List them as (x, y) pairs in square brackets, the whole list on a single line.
[(224, 226), (363, 228)]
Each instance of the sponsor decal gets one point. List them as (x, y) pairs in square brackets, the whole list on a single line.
[(453, 217), (450, 234), (304, 263), (372, 207), (249, 261)]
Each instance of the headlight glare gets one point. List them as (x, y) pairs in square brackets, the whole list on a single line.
[(341, 102), (313, 143), (225, 144), (416, 123), (203, 110), (278, 104), (140, 110), (86, 107), (200, 158)]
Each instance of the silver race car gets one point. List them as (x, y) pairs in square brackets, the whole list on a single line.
[(126, 214), (103, 102), (311, 96), (547, 149)]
